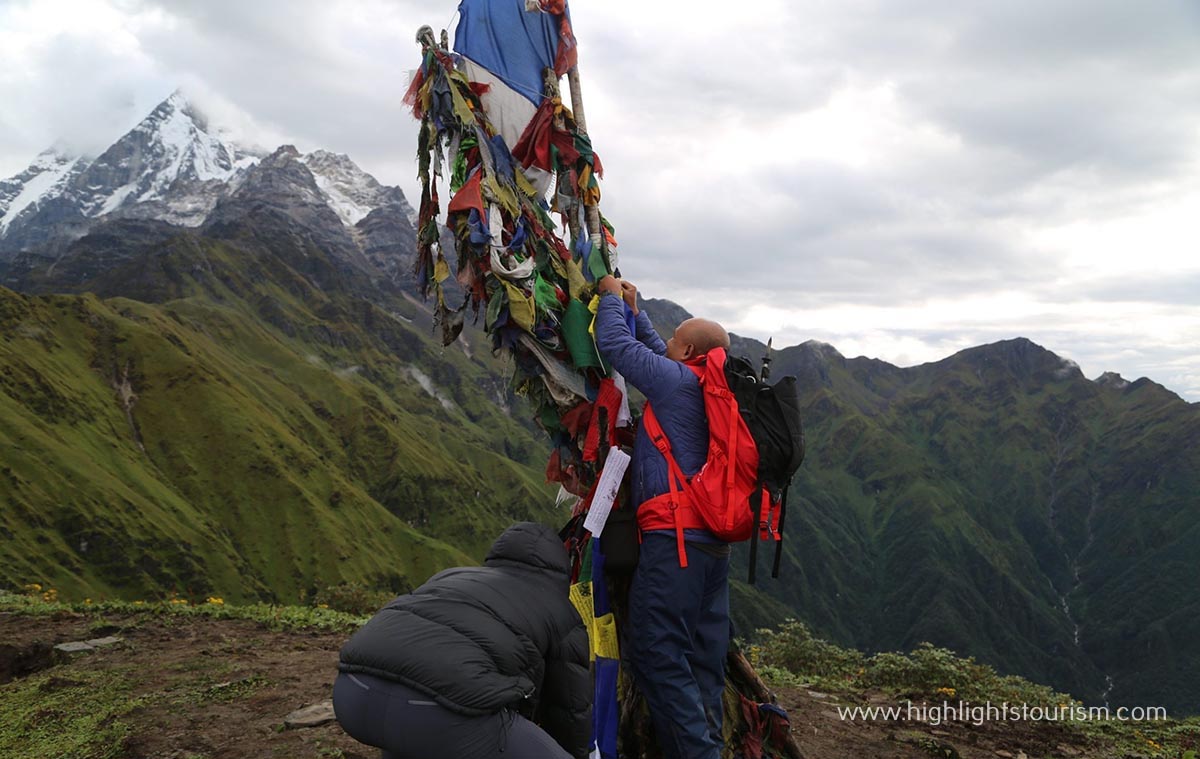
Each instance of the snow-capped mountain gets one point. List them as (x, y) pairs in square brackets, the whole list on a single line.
[(171, 166), (49, 174), (352, 192), (174, 167)]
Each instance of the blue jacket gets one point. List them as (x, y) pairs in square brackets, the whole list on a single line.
[(669, 385)]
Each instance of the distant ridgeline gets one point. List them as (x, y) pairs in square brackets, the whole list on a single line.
[(247, 404)]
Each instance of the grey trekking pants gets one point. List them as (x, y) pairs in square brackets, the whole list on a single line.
[(407, 724)]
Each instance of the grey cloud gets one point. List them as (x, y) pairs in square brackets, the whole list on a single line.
[(1165, 288), (76, 92), (281, 63), (1066, 111), (1056, 85), (839, 238)]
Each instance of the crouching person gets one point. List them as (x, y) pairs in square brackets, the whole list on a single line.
[(483, 662)]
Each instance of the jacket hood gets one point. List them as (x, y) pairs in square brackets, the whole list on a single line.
[(532, 545)]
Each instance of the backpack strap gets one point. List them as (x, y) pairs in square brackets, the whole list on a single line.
[(779, 532), (676, 479)]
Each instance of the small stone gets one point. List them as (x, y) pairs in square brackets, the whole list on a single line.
[(1005, 754), (1068, 751), (939, 732), (100, 642), (310, 716), (74, 648), (815, 694), (1022, 755)]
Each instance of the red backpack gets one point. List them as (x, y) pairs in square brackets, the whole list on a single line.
[(718, 497)]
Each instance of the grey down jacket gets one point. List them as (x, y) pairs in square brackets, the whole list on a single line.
[(481, 639)]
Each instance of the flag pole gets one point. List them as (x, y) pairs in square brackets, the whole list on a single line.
[(593, 212)]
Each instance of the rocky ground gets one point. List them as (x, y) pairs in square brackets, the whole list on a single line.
[(164, 687)]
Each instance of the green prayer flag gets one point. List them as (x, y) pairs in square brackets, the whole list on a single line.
[(550, 418), (545, 295), (495, 303), (582, 347), (597, 265)]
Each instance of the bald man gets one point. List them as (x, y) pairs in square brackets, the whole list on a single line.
[(677, 632)]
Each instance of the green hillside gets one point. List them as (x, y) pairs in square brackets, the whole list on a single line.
[(252, 435)]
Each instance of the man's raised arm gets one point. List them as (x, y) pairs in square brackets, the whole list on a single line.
[(643, 363)]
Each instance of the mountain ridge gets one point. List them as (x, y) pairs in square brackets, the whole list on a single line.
[(671, 313)]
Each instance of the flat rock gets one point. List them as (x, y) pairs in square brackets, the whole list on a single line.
[(816, 694), (100, 642), (74, 648), (310, 716)]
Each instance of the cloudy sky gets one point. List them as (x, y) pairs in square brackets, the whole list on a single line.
[(899, 179)]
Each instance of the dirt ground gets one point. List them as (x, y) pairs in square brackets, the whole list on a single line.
[(221, 689)]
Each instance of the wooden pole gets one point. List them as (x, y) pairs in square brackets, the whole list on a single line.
[(740, 669), (593, 212)]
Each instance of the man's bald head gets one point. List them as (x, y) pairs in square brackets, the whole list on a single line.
[(695, 337)]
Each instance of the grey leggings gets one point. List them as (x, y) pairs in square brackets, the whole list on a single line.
[(407, 724)]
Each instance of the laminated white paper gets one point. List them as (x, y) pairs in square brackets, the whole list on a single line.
[(606, 490)]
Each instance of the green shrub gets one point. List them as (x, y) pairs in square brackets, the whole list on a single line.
[(353, 598), (793, 647), (927, 672)]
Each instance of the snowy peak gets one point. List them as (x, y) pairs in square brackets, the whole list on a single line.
[(352, 193), (49, 174), (171, 167), (176, 167), (168, 157)]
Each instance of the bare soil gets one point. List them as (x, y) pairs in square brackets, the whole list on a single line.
[(222, 688)]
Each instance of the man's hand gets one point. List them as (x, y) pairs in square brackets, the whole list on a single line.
[(627, 290), (609, 284), (629, 293)]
